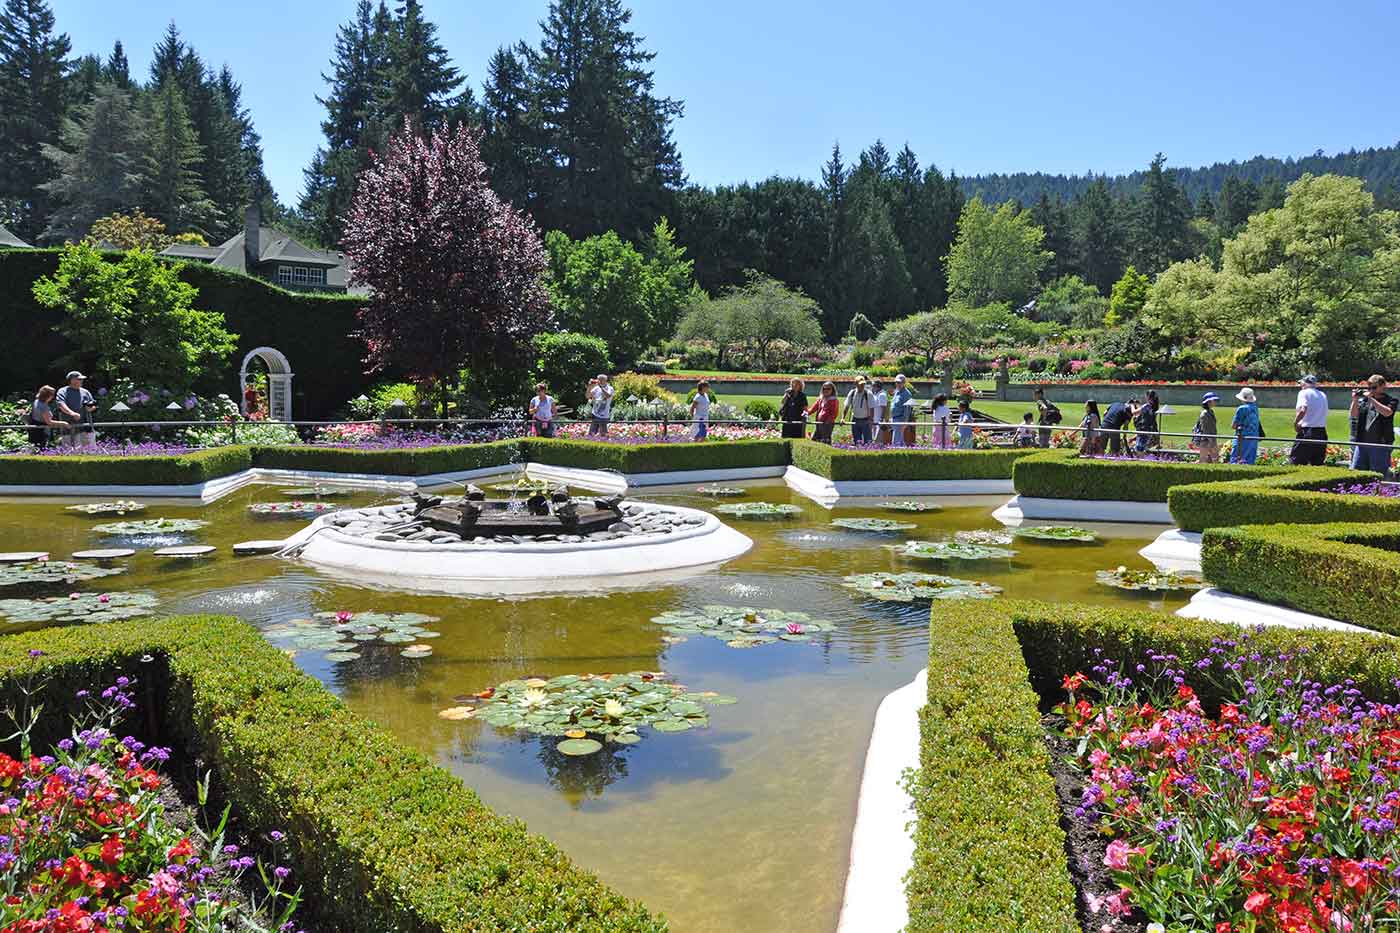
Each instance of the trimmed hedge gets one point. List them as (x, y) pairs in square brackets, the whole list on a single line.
[(78, 469), (407, 461), (382, 839), (1063, 474), (655, 458), (894, 464), (1287, 498), (989, 850), (1346, 571)]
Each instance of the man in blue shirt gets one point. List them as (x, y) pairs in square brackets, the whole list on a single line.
[(902, 413)]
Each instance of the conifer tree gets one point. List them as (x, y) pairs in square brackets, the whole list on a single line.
[(173, 194), (117, 69), (1161, 223), (511, 145), (1098, 236), (98, 164), (33, 65)]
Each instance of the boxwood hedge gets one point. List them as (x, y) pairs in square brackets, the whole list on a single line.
[(989, 849), (408, 461), (655, 458), (1063, 474), (80, 469), (382, 839), (1289, 497), (1346, 571), (894, 464)]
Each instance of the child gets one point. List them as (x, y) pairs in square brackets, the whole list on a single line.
[(966, 441), (1025, 433), (700, 410), (542, 411), (941, 417)]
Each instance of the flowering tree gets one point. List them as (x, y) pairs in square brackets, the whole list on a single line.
[(455, 273)]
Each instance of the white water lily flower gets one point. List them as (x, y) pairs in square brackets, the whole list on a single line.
[(613, 709), (1121, 569), (533, 697)]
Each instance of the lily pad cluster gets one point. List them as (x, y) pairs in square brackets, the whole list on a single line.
[(78, 607), (949, 550), (576, 706), (912, 587), (720, 490), (120, 507), (296, 508), (741, 626), (315, 492), (150, 526), (1151, 580), (759, 510), (1070, 533), (339, 636), (42, 573), (994, 537), (878, 525), (910, 506)]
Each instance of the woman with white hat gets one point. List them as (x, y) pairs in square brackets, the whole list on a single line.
[(1247, 428)]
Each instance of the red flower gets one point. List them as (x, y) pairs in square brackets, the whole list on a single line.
[(1257, 903), (181, 850), (1073, 682), (1353, 875), (113, 850)]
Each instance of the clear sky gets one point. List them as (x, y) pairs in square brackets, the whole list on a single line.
[(768, 85)]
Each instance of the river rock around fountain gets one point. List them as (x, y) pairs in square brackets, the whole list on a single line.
[(397, 524)]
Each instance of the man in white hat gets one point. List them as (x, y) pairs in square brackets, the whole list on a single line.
[(1309, 424), (600, 399), (76, 405)]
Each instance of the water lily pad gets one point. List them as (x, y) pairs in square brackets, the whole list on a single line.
[(457, 713), (296, 509), (352, 633), (992, 537), (579, 746), (720, 491), (878, 525), (1155, 581), (150, 526), (48, 573), (342, 655), (911, 587), (742, 626), (759, 510), (120, 507), (1067, 533), (315, 492), (949, 550), (626, 738), (75, 607), (909, 505), (416, 651), (671, 725)]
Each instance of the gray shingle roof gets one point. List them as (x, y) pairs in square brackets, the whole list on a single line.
[(8, 239)]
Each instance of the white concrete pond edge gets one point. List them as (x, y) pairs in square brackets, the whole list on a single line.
[(1219, 606), (882, 843), (827, 492), (1175, 549), (1031, 508)]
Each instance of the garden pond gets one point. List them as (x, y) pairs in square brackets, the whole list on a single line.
[(727, 805)]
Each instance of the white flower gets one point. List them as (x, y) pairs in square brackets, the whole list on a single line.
[(533, 697), (613, 709)]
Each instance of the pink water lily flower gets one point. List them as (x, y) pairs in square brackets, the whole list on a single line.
[(104, 598), (342, 616), (73, 595), (794, 629)]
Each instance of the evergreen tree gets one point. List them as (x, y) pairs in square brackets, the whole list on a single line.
[(173, 194), (1205, 207), (1053, 218), (833, 299), (512, 145), (1238, 199), (117, 70), (33, 65), (419, 83), (1098, 236), (1161, 224), (82, 81), (99, 163), (250, 142), (608, 161)]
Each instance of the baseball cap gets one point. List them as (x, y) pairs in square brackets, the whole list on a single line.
[(75, 375), (1308, 380)]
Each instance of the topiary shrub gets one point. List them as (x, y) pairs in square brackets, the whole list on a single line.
[(1287, 497), (1063, 474), (894, 464), (762, 409)]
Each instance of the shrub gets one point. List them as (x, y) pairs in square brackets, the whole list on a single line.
[(762, 409), (644, 387), (1286, 497), (382, 839), (1063, 474), (410, 461), (894, 464), (655, 458), (379, 400), (81, 470), (1345, 571), (565, 362)]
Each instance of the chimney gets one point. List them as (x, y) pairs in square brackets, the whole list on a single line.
[(252, 225)]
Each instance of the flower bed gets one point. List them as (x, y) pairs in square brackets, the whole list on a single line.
[(649, 433), (1277, 814), (383, 839)]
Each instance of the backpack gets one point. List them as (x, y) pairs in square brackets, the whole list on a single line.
[(1052, 413), (1198, 436)]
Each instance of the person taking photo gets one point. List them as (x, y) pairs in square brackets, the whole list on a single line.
[(1373, 414)]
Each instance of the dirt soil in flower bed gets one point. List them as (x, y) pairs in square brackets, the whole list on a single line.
[(1085, 846)]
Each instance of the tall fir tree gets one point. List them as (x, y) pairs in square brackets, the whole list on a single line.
[(512, 143), (173, 193), (1098, 236), (1053, 218), (34, 64), (99, 165), (117, 70), (1161, 223), (419, 81), (834, 290)]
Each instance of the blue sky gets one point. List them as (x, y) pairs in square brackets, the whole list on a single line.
[(977, 87)]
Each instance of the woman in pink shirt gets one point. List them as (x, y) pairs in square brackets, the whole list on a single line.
[(826, 408)]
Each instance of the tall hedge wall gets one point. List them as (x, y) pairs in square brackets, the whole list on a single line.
[(315, 331), (382, 839)]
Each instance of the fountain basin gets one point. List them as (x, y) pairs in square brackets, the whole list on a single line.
[(356, 541)]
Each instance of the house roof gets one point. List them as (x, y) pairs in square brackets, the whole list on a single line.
[(8, 239), (275, 246), (191, 251)]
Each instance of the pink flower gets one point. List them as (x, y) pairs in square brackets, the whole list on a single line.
[(1117, 903), (73, 595), (794, 629), (342, 616), (1118, 853), (104, 598)]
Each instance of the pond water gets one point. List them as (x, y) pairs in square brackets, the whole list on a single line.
[(744, 825)]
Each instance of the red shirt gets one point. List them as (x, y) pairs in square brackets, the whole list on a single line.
[(826, 408)]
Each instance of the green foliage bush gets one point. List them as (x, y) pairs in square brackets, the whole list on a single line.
[(408, 461), (566, 361), (75, 469), (762, 409), (1063, 474), (643, 386), (1346, 571), (382, 839), (1287, 497), (893, 464), (655, 458)]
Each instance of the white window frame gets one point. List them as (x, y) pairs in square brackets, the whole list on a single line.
[(300, 275), (316, 276), (284, 275)]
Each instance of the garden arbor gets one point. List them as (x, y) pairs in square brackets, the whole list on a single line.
[(279, 382)]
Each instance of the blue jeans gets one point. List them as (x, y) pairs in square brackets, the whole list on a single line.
[(1376, 459), (1244, 451), (860, 431), (701, 430)]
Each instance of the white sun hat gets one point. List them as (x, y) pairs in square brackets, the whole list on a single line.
[(1246, 394)]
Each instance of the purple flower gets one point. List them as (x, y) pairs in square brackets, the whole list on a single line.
[(35, 653)]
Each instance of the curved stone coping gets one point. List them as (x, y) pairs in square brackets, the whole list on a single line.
[(1021, 508), (532, 562), (1175, 549), (882, 848), (1218, 606), (827, 492)]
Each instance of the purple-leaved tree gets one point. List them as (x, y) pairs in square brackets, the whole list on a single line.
[(455, 272)]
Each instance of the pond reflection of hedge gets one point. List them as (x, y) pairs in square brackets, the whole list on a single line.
[(1341, 571), (891, 464), (286, 753), (988, 842), (1060, 474), (1290, 497)]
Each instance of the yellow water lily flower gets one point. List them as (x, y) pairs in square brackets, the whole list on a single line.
[(613, 709)]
